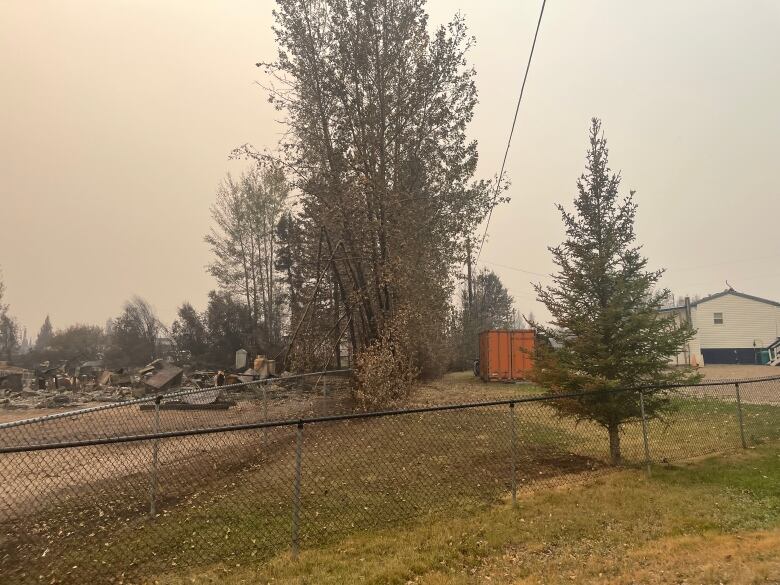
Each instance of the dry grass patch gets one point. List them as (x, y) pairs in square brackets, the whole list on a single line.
[(459, 387), (713, 521)]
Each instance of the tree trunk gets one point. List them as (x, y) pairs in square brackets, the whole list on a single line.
[(336, 317), (614, 443), (468, 274)]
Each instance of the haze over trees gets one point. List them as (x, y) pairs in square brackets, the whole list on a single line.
[(76, 344), (366, 253), (248, 310), (134, 334), (490, 307), (353, 231), (9, 328), (44, 335), (604, 305), (377, 107), (243, 241), (212, 337)]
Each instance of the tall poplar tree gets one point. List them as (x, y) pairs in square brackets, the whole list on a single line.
[(378, 104), (605, 306), (243, 240)]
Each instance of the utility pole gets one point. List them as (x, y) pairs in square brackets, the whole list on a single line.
[(468, 272)]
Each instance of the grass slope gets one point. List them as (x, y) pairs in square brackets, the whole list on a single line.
[(230, 501), (713, 521)]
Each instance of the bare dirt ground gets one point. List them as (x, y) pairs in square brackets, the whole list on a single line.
[(21, 414), (31, 479), (750, 392), (733, 372)]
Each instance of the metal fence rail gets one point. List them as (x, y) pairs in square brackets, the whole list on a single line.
[(149, 496), (269, 399)]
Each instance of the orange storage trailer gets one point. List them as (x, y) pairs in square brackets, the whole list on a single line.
[(506, 354)]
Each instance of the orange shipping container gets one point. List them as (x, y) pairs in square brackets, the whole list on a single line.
[(506, 355)]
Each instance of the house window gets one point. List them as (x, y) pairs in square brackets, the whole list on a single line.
[(718, 318)]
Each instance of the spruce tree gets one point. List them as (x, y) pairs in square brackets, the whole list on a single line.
[(491, 307), (44, 335), (605, 306)]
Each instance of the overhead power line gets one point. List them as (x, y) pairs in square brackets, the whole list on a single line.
[(518, 269), (512, 131)]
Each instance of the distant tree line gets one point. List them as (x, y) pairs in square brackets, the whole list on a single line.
[(9, 328), (130, 339)]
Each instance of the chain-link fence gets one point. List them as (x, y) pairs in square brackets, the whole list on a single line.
[(156, 487)]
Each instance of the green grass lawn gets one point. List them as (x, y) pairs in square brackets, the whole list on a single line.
[(365, 482), (698, 425), (713, 521)]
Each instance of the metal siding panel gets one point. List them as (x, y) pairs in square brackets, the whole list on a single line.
[(504, 355), (498, 355), (522, 346), (494, 342), (744, 321)]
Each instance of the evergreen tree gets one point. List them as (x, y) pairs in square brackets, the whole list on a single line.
[(25, 346), (605, 309), (491, 308), (228, 325), (9, 329), (9, 337), (44, 335), (290, 235), (189, 333), (134, 334)]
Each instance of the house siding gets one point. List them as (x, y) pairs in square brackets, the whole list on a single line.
[(745, 321)]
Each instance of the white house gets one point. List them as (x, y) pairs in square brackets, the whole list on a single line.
[(731, 328)]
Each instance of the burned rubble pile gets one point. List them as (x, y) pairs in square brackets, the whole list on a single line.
[(48, 387), (56, 386)]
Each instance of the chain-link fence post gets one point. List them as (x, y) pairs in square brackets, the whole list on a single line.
[(514, 451), (265, 417), (739, 416), (155, 457), (644, 431), (296, 511)]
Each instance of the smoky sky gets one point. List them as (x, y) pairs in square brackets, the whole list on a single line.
[(117, 118)]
